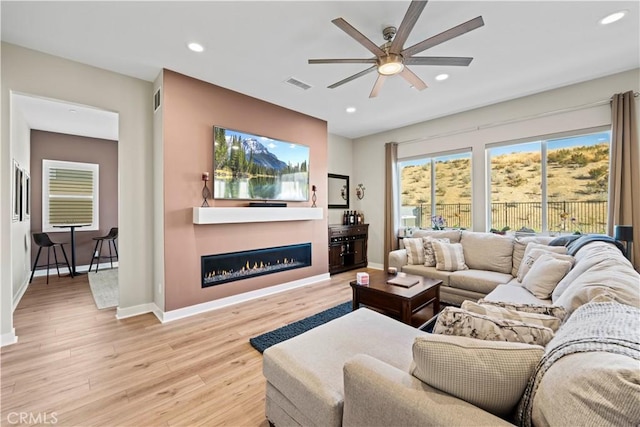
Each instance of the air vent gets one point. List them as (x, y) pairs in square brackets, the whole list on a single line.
[(297, 83), (156, 100)]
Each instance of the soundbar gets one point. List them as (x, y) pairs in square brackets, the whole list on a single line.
[(267, 205)]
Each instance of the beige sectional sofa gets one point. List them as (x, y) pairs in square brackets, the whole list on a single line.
[(492, 259), (357, 370)]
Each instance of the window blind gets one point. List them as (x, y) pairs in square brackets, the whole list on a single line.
[(70, 196)]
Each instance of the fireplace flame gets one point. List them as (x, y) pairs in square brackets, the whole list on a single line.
[(253, 266)]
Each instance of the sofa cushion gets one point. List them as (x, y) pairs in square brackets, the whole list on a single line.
[(613, 277), (456, 321), (545, 273), (494, 311), (452, 235), (585, 259), (449, 256), (519, 246), (415, 250), (534, 251), (490, 375), (477, 280), (478, 245), (541, 307), (607, 383), (430, 272), (429, 253)]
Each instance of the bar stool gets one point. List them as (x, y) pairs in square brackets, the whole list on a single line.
[(97, 251), (43, 241)]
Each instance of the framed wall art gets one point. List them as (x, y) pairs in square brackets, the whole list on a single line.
[(26, 196), (16, 191)]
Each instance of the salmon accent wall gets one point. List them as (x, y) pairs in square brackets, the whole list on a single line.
[(191, 108)]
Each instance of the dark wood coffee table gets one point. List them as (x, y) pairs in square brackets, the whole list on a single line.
[(397, 301)]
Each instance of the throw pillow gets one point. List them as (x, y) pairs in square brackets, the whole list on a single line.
[(456, 321), (494, 311), (415, 250), (429, 254), (490, 375), (520, 245), (545, 274), (449, 256), (550, 310), (532, 253)]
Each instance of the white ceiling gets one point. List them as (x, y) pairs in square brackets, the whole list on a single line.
[(525, 47), (63, 117)]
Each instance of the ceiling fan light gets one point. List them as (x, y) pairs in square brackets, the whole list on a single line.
[(390, 65)]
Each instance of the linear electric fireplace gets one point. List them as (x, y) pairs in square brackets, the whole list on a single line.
[(223, 268)]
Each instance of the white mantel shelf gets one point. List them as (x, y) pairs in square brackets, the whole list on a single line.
[(212, 215)]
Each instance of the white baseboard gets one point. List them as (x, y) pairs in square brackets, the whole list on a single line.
[(20, 294), (181, 313), (375, 266), (79, 268), (8, 338), (136, 310)]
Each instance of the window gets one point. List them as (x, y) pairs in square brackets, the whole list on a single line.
[(436, 186), (69, 194), (557, 185)]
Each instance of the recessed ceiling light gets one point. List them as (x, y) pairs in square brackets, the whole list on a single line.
[(196, 47), (351, 110), (71, 110), (441, 77), (616, 16)]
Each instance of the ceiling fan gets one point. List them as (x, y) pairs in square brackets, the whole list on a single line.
[(392, 58)]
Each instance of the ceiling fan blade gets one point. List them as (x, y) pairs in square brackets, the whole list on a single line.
[(413, 80), (377, 85), (461, 61), (355, 76), (444, 36), (410, 18), (343, 61), (360, 38)]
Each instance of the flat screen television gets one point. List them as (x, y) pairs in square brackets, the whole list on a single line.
[(254, 167)]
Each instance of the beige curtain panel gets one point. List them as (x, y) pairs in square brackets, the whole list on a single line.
[(390, 197), (624, 178)]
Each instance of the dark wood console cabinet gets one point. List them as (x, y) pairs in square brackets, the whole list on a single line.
[(347, 247)]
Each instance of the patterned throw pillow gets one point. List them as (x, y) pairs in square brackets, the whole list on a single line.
[(449, 256), (494, 311), (456, 321), (491, 375), (531, 254), (415, 250), (550, 310), (545, 274), (429, 253)]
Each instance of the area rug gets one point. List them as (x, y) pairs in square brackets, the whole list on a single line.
[(266, 340), (104, 287)]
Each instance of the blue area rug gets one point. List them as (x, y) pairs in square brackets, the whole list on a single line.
[(266, 340)]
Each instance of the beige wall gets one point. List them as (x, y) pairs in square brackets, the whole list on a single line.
[(190, 110), (340, 151), (73, 148), (34, 73), (510, 120)]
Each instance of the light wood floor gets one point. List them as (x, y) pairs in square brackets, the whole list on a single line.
[(80, 366)]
